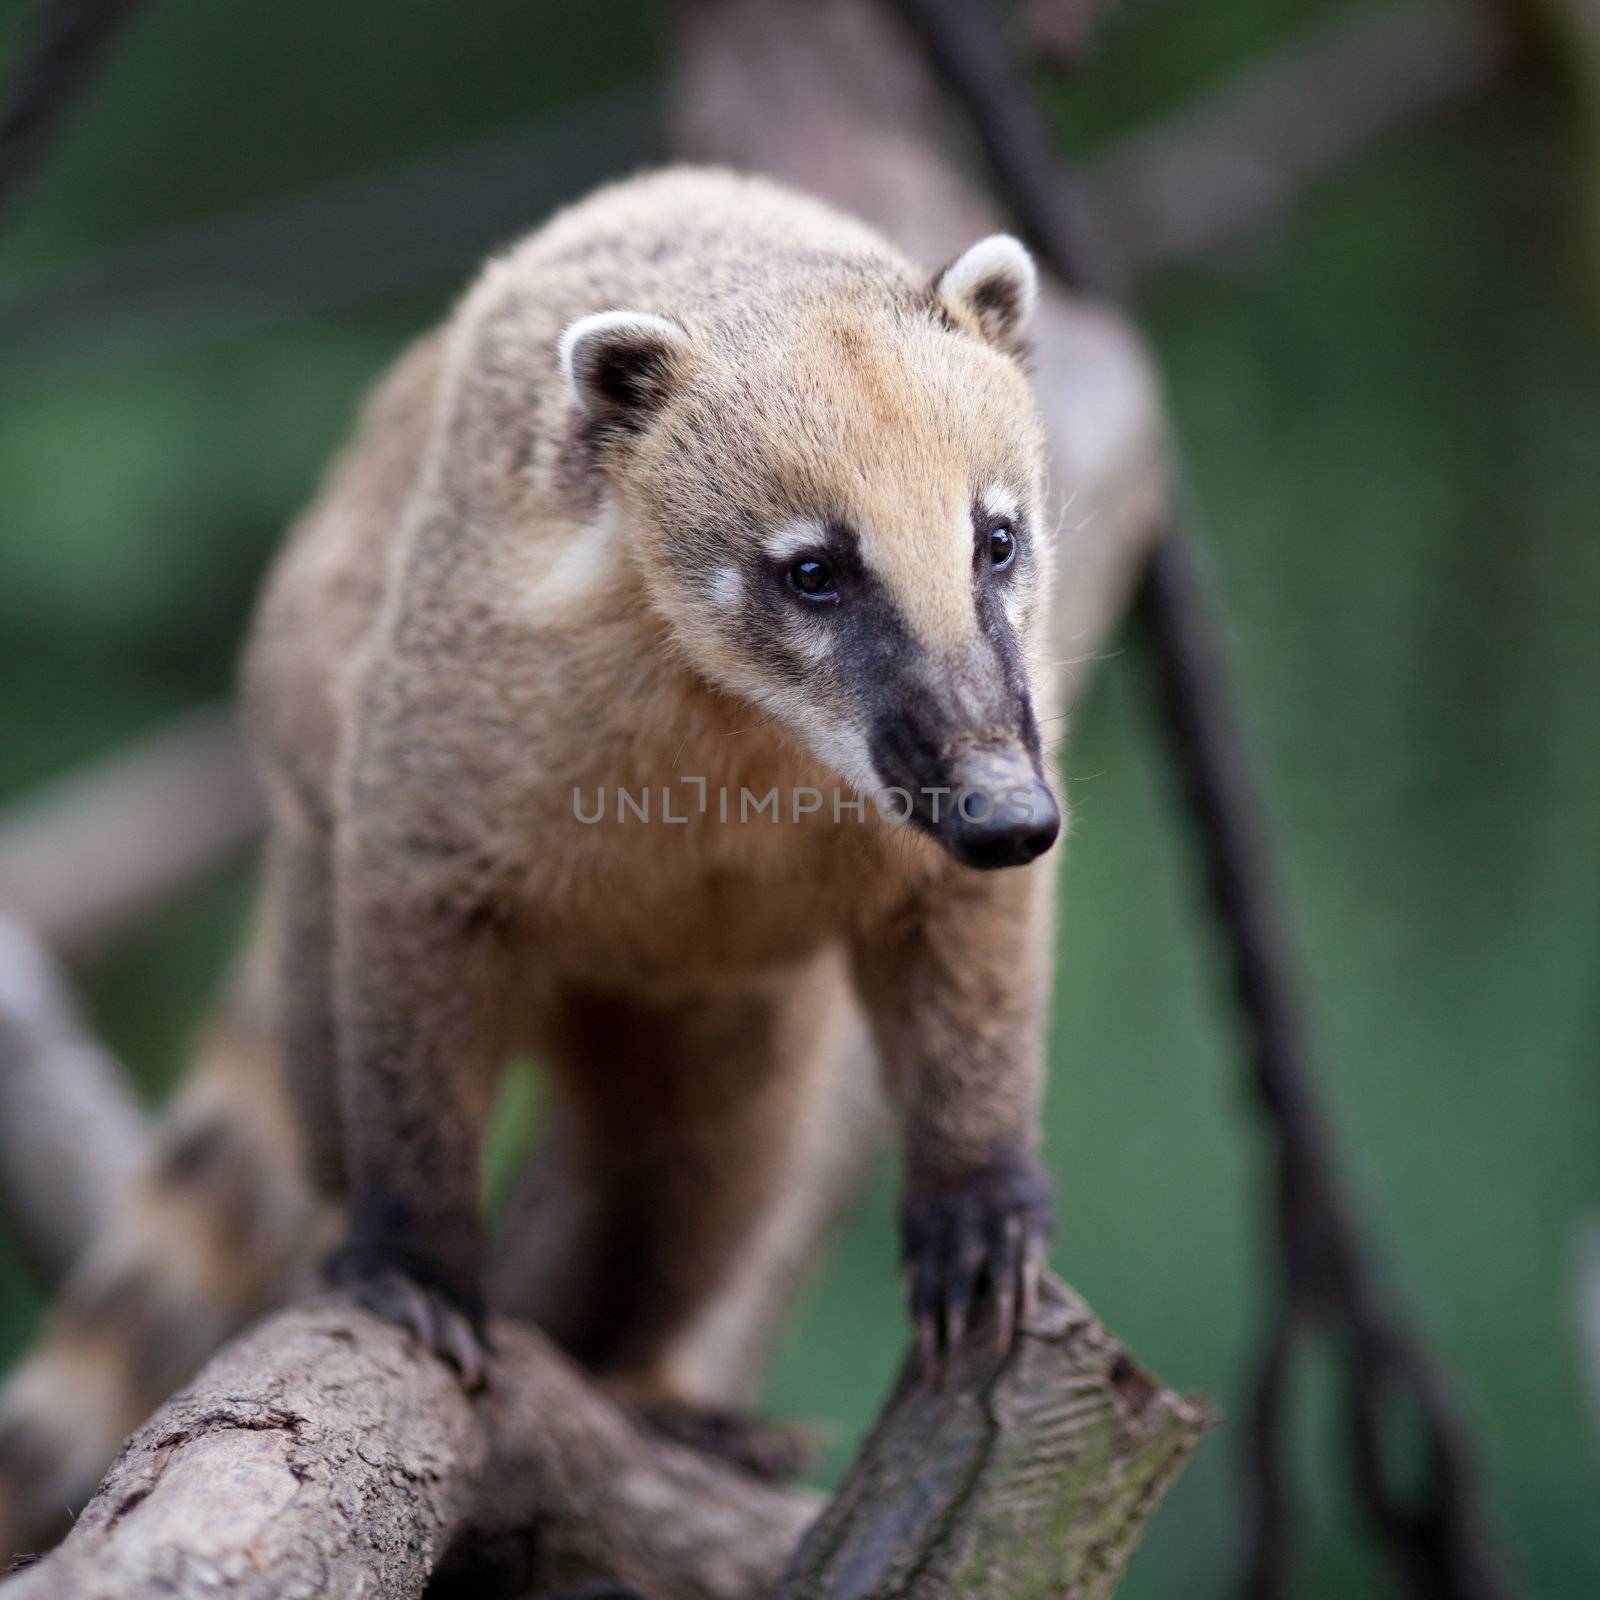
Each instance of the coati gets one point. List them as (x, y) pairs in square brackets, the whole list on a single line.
[(704, 492)]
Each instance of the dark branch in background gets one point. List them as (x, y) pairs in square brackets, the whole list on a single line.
[(420, 224), (968, 54), (55, 66), (1432, 1530), (1061, 31)]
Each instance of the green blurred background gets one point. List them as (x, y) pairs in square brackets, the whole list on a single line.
[(1390, 403)]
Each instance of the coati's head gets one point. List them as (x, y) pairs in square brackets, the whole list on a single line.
[(834, 495)]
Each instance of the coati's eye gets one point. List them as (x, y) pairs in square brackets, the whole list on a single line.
[(812, 579), (1002, 547)]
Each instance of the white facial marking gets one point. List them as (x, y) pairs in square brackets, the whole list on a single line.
[(839, 745), (782, 544), (558, 588), (727, 587), (999, 502)]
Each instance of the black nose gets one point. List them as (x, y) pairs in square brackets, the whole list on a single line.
[(1008, 829)]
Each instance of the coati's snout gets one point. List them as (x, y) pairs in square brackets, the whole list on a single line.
[(1000, 815), (989, 808)]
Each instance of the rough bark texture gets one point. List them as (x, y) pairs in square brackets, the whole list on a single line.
[(318, 1455), (1030, 1476), (322, 1455)]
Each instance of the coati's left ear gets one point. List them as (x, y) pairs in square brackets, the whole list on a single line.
[(621, 366), (995, 283)]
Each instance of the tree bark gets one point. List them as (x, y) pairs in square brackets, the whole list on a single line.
[(1031, 1477), (322, 1455), (318, 1455)]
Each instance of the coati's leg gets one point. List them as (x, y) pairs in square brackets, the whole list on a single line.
[(300, 883), (674, 1128), (956, 993), (216, 1228), (425, 971)]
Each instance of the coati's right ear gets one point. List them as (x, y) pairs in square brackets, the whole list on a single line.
[(622, 365), (996, 284)]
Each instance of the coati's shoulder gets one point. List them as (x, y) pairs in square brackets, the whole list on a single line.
[(325, 587)]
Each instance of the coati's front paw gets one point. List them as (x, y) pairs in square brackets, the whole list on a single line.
[(445, 1318), (985, 1232)]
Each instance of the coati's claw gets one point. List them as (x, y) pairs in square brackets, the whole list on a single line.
[(464, 1347), (437, 1325), (1009, 1267), (427, 1314), (772, 1451), (985, 1234), (443, 1323)]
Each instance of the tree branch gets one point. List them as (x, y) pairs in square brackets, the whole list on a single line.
[(1031, 1478), (1204, 176), (71, 1134), (319, 1455), (92, 852), (323, 1455)]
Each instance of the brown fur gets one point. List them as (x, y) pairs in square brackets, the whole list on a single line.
[(503, 596)]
